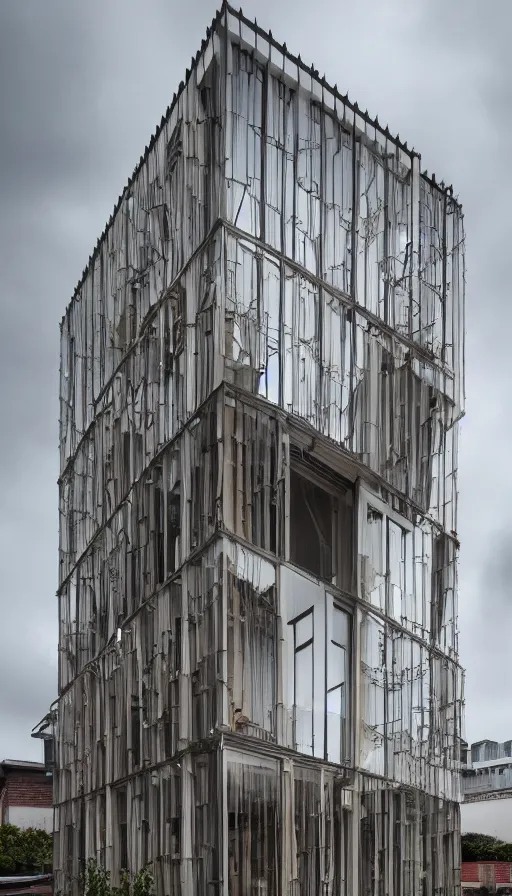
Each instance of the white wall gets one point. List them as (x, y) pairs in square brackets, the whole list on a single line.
[(492, 817), (30, 817)]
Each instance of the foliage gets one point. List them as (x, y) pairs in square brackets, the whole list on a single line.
[(482, 848), (24, 852), (143, 883), (96, 882)]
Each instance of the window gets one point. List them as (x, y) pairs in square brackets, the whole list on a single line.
[(337, 681), (254, 828), (303, 676), (321, 527), (312, 520), (122, 826), (321, 681), (252, 636), (393, 570)]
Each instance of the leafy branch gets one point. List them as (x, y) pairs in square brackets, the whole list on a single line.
[(96, 882)]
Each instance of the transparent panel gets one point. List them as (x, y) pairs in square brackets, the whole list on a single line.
[(303, 701), (340, 627), (245, 154), (338, 204), (396, 567), (336, 666), (373, 696), (374, 562), (336, 725), (303, 630)]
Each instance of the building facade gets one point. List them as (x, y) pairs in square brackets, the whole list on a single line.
[(486, 878), (26, 795), (261, 382), (487, 789)]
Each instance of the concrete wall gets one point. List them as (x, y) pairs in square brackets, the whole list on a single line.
[(30, 817)]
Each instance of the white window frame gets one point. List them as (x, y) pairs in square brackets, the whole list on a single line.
[(323, 600), (366, 499)]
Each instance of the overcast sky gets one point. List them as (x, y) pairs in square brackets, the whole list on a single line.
[(82, 87)]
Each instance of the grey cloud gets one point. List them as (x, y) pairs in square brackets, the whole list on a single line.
[(47, 93)]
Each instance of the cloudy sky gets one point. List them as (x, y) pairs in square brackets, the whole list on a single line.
[(82, 86)]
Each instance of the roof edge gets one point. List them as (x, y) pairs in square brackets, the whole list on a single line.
[(310, 69), (296, 60)]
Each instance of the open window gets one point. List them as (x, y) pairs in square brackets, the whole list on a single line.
[(321, 522), (313, 525)]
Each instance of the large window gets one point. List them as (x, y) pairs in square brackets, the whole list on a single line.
[(313, 525), (407, 570), (321, 525), (321, 681), (303, 683), (395, 564)]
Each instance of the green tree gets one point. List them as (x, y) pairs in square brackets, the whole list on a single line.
[(24, 852), (37, 849), (10, 848), (483, 848)]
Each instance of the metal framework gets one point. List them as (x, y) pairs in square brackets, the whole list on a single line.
[(261, 382)]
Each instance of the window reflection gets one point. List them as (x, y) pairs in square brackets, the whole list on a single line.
[(322, 731)]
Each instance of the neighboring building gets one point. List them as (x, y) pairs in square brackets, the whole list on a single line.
[(261, 382), (26, 795), (486, 877), (487, 790)]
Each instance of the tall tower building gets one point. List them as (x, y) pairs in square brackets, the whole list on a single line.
[(261, 382)]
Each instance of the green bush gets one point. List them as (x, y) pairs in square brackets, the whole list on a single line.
[(24, 852), (96, 882)]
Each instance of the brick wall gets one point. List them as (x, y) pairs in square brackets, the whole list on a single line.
[(25, 788), (486, 872)]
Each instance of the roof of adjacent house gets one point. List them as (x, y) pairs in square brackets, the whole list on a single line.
[(22, 764)]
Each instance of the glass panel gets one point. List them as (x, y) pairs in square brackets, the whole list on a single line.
[(373, 695), (335, 666), (340, 626), (334, 701), (304, 630), (335, 724), (244, 158), (374, 576), (396, 564), (304, 700)]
